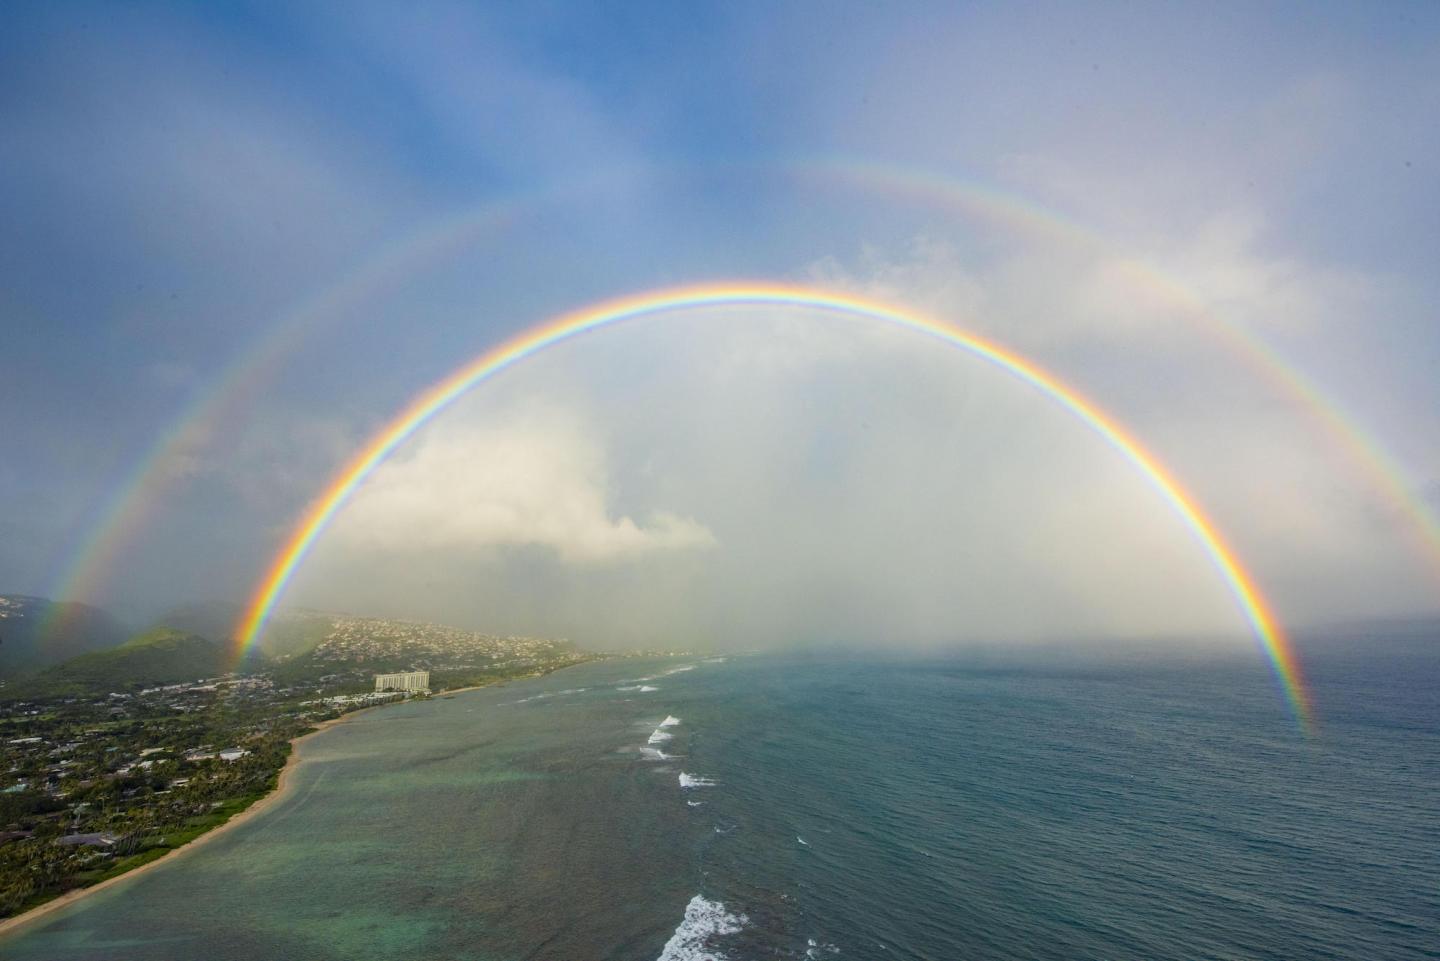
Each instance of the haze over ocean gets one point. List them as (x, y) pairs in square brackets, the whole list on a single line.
[(848, 807)]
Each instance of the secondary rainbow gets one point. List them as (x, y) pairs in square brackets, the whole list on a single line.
[(436, 398), (1360, 443), (140, 495)]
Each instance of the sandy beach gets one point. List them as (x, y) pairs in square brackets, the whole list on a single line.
[(282, 787)]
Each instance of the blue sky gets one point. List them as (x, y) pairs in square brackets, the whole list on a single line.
[(176, 179)]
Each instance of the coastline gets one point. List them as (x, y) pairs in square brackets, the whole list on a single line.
[(9, 926), (262, 804)]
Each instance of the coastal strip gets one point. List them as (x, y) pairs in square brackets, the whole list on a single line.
[(260, 805)]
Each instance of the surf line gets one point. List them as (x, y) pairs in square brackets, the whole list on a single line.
[(434, 399)]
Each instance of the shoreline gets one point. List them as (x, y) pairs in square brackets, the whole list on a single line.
[(9, 926)]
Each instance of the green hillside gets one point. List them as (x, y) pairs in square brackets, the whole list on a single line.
[(289, 634), (36, 633), (160, 656)]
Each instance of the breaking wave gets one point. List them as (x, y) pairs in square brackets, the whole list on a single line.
[(704, 921), (660, 736), (544, 694), (690, 780)]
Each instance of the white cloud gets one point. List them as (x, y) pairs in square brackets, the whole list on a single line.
[(930, 275), (531, 481), (1286, 490), (855, 483), (1222, 273)]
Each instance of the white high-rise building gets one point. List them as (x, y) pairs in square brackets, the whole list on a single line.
[(407, 681)]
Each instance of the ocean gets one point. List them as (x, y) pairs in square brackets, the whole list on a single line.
[(828, 806)]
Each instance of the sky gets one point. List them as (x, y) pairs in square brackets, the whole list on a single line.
[(236, 240)]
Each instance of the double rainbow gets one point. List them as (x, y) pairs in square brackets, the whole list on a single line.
[(136, 498), (436, 398)]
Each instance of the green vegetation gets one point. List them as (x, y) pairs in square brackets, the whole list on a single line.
[(36, 633), (116, 757), (295, 637), (161, 656), (290, 634)]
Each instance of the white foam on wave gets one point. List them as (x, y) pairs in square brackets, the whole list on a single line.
[(814, 949), (646, 689), (695, 804), (544, 694), (690, 780), (704, 920), (629, 687), (677, 670), (660, 736)]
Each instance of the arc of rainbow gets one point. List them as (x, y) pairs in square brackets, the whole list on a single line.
[(136, 497), (1359, 443), (436, 398), (122, 514), (133, 501)]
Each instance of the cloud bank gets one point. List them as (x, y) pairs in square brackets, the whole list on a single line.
[(536, 482)]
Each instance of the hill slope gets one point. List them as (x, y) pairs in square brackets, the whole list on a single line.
[(36, 633), (289, 634), (162, 656), (302, 647)]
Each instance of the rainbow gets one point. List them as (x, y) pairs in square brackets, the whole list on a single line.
[(436, 398), (140, 494), (922, 187), (137, 496)]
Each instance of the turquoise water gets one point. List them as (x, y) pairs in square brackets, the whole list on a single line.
[(854, 808)]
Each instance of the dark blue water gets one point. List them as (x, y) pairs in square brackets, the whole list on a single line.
[(842, 807), (1154, 811)]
